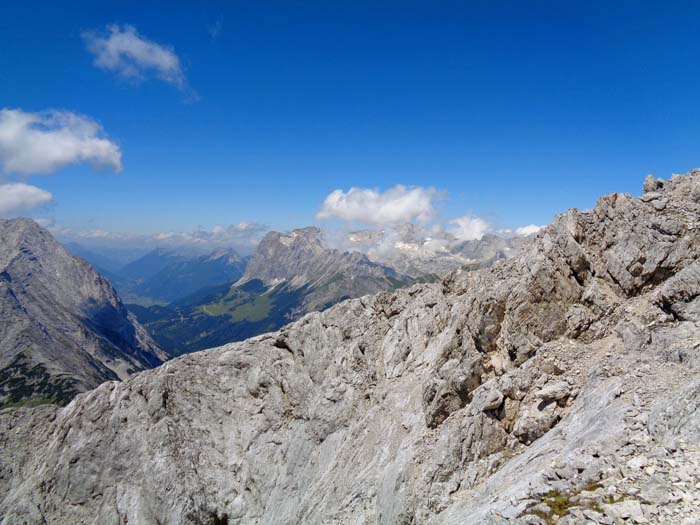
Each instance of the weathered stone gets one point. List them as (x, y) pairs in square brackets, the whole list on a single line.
[(437, 404), (626, 510)]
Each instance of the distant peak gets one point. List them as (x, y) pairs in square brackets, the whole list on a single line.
[(24, 228)]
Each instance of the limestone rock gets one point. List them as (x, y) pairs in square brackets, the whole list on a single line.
[(471, 400), (63, 329)]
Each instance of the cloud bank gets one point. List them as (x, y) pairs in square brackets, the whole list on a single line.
[(395, 205), (32, 143), (125, 52), (16, 198), (243, 237)]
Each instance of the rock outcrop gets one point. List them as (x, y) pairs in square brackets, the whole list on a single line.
[(558, 386), (63, 330)]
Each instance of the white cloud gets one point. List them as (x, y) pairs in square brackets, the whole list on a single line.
[(469, 227), (44, 142), (19, 198), (130, 55), (528, 230), (395, 205)]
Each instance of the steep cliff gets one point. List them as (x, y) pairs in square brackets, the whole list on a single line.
[(63, 330)]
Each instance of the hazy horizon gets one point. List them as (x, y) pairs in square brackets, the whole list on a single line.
[(139, 125)]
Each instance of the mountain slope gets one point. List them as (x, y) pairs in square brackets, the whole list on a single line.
[(63, 330), (184, 277), (302, 259), (149, 264), (554, 387), (220, 314), (288, 276)]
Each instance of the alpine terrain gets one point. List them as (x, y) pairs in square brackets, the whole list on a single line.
[(287, 276), (411, 250), (558, 386), (163, 276), (292, 274), (63, 330)]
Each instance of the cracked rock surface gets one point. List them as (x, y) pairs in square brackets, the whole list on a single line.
[(558, 386)]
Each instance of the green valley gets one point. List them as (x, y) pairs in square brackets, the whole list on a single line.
[(218, 315)]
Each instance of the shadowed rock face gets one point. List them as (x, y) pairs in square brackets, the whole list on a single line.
[(63, 330), (545, 384)]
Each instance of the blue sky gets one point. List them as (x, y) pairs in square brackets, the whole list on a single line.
[(516, 111)]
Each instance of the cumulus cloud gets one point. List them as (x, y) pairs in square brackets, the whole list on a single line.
[(395, 205), (124, 51), (44, 142), (469, 227), (18, 198), (528, 230)]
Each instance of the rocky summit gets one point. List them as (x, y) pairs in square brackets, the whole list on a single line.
[(301, 260), (63, 330), (561, 386)]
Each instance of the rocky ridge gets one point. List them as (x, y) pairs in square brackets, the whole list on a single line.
[(558, 386)]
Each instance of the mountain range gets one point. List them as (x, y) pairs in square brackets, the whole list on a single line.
[(162, 276), (413, 251), (288, 276), (66, 330), (292, 274), (183, 276), (556, 386)]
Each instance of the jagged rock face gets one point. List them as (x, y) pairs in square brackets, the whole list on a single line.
[(301, 259), (63, 330), (563, 378)]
